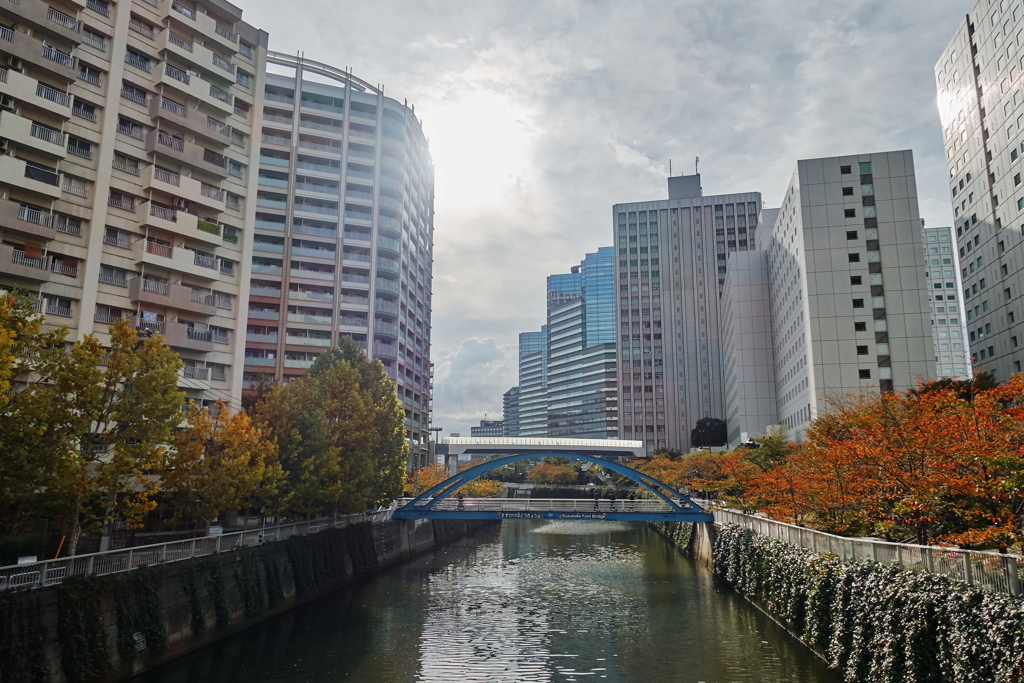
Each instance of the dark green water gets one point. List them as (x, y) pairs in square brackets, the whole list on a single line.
[(520, 601)]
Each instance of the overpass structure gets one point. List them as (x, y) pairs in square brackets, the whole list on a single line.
[(665, 504)]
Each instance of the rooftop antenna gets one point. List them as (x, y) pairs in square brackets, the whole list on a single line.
[(696, 164)]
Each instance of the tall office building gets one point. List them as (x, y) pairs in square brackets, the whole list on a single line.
[(488, 428), (567, 381), (510, 410), (670, 271), (125, 184), (848, 306), (981, 105), (344, 233), (947, 312)]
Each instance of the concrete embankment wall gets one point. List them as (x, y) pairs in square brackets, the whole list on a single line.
[(872, 622), (93, 629)]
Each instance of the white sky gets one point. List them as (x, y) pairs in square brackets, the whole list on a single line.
[(541, 115)]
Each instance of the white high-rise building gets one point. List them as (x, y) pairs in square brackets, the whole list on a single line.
[(848, 305), (981, 104), (947, 311)]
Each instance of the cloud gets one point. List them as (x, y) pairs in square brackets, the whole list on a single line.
[(542, 115), (469, 380)]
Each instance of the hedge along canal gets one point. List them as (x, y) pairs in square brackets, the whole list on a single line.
[(111, 627), (873, 623)]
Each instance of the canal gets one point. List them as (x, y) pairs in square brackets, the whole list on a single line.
[(519, 602)]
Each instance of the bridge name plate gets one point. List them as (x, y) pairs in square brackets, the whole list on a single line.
[(552, 515)]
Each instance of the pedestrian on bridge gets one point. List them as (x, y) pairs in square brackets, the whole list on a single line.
[(459, 503), (631, 499), (611, 498), (597, 501)]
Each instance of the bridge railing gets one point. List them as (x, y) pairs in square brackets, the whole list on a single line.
[(994, 572), (549, 504), (53, 572)]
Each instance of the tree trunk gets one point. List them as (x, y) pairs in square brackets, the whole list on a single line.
[(76, 533)]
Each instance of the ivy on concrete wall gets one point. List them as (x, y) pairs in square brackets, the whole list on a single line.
[(83, 640), (249, 583), (332, 555), (190, 585), (876, 623), (22, 656)]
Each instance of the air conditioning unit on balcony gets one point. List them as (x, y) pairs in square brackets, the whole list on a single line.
[(3, 144)]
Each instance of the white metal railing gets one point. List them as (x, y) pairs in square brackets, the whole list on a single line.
[(52, 94), (6, 34), (156, 287), (177, 74), (549, 504), (995, 572), (166, 177), (138, 62), (199, 297), (34, 216), (61, 19), (140, 27), (173, 107), (204, 261), (218, 127), (126, 168), (163, 212), (183, 10), (219, 94), (171, 141), (53, 572), (226, 33), (54, 137), (224, 64), (131, 131), (180, 41), (212, 192)]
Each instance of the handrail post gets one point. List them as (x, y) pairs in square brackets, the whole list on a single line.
[(1012, 574), (42, 574), (193, 551), (131, 559), (968, 570), (89, 566)]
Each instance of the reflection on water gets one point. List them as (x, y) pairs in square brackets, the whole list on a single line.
[(523, 601)]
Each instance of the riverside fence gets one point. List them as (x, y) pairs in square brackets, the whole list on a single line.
[(994, 572), (53, 572)]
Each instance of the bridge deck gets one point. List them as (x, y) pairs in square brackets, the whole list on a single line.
[(644, 510)]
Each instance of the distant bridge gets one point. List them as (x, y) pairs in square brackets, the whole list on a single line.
[(668, 504)]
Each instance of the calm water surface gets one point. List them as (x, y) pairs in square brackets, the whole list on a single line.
[(520, 601)]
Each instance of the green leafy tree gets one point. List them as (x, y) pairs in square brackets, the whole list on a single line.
[(114, 410), (709, 431)]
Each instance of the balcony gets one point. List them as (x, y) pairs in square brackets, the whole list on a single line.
[(22, 219), (173, 295), (34, 51), (298, 363), (186, 188), (308, 341), (190, 119), (384, 350), (191, 372), (28, 133), (50, 20), (17, 172), (184, 152), (194, 86), (381, 327), (312, 274), (31, 92), (264, 314), (388, 265), (307, 318), (261, 338), (260, 360), (16, 264), (177, 259), (204, 23), (180, 335)]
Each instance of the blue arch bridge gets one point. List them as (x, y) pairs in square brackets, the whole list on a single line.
[(441, 501)]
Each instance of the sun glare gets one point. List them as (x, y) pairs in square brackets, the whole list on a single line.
[(480, 142)]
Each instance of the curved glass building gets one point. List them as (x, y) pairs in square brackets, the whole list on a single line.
[(343, 233)]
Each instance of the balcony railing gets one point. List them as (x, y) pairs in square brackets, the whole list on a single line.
[(52, 94), (87, 75), (224, 64), (108, 279), (199, 297), (245, 50), (183, 10), (163, 213), (222, 301), (218, 127), (156, 287), (272, 96), (61, 19), (19, 258), (225, 33), (54, 137), (6, 34), (312, 104), (131, 131), (93, 40), (133, 94), (33, 216), (337, 130), (69, 226), (126, 168), (171, 141), (219, 94), (207, 226), (53, 308), (316, 208), (319, 168), (330, 149), (183, 43), (173, 107), (167, 177), (79, 150), (158, 249), (71, 188), (138, 62), (98, 7), (205, 261), (219, 337), (211, 192), (139, 27), (322, 189), (117, 241), (218, 160), (191, 372)]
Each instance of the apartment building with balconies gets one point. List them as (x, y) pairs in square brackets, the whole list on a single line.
[(343, 233), (127, 137)]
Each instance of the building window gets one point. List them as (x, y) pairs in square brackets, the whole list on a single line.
[(858, 303), (851, 234), (862, 350), (847, 191), (844, 170), (854, 258), (864, 374), (850, 213)]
